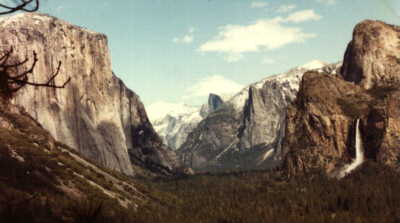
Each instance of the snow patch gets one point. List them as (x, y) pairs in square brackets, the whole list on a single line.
[(313, 65), (290, 80), (161, 109)]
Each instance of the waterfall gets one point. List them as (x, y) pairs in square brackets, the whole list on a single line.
[(359, 153)]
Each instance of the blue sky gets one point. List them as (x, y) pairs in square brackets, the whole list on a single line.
[(180, 50)]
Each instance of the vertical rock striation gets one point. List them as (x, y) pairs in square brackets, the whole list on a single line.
[(320, 130), (96, 113), (373, 54), (246, 132)]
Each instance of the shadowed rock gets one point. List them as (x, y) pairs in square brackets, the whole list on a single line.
[(373, 54), (320, 125), (96, 113)]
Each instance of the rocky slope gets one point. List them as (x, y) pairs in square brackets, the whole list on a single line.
[(96, 113), (246, 132), (177, 120), (320, 130), (44, 180)]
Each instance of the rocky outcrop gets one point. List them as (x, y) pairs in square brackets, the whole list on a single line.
[(372, 57), (96, 113), (264, 117), (214, 102), (321, 124), (175, 126), (247, 131), (318, 130), (212, 136)]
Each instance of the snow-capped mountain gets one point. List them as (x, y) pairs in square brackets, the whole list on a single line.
[(159, 110), (291, 78), (173, 122), (246, 132)]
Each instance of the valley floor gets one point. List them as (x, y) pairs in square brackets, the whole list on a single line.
[(367, 195)]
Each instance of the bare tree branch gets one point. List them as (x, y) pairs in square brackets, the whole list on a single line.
[(22, 5), (11, 81)]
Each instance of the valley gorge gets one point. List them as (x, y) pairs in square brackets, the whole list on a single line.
[(246, 132), (317, 143), (305, 119)]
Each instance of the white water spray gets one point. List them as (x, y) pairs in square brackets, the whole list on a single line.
[(359, 154)]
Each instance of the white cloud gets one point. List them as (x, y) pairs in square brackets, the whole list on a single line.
[(160, 109), (187, 38), (302, 16), (234, 57), (266, 60), (213, 84), (259, 4), (328, 2), (262, 35), (286, 8)]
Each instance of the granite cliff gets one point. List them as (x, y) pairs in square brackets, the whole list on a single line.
[(214, 103), (372, 57), (96, 113), (44, 180), (247, 130), (321, 123)]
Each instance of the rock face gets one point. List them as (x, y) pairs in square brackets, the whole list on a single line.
[(181, 119), (321, 125), (214, 102), (96, 113), (373, 54), (264, 116), (246, 132), (320, 129), (32, 162)]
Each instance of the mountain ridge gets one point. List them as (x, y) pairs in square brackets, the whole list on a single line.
[(241, 134)]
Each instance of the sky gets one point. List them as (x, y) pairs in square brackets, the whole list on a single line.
[(179, 51)]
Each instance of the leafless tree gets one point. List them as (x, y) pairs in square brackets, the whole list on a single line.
[(20, 5), (11, 80)]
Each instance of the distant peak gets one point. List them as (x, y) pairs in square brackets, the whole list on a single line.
[(214, 102), (212, 95), (315, 64)]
